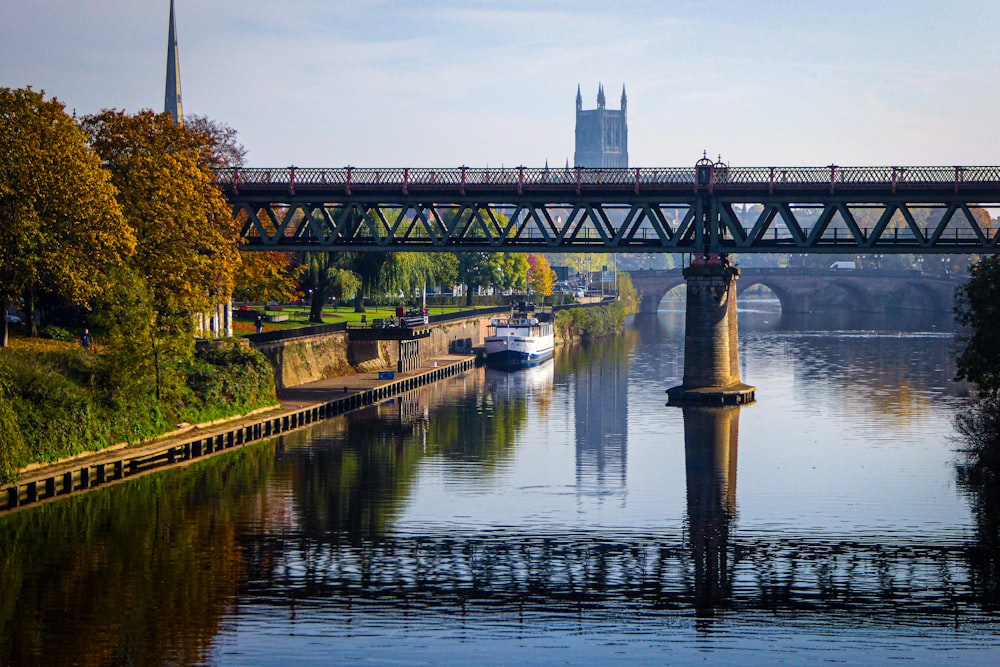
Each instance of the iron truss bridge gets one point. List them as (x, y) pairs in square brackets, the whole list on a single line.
[(704, 208)]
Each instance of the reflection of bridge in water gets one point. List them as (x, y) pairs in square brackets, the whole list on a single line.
[(801, 290), (708, 569)]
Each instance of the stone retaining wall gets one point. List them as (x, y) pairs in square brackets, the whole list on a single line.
[(303, 360)]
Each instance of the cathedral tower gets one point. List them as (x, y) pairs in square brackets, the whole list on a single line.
[(601, 133)]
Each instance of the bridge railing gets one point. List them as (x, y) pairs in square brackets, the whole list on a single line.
[(577, 178)]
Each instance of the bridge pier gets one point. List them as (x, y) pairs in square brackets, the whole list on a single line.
[(711, 354)]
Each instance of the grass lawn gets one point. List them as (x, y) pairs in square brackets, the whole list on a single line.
[(298, 316)]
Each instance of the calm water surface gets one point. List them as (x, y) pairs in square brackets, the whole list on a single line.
[(560, 515)]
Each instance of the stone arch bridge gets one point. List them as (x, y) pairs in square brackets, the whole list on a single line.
[(803, 290)]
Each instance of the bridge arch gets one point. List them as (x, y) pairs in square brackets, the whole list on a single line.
[(803, 290), (909, 296), (788, 301)]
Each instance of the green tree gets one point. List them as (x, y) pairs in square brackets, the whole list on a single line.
[(60, 224), (187, 251), (977, 310), (478, 269), (323, 278)]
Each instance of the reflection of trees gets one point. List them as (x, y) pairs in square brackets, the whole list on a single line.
[(978, 473), (139, 573), (898, 377), (482, 426), (356, 473)]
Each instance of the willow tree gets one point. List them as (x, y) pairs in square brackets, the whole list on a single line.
[(324, 277), (187, 240), (61, 227)]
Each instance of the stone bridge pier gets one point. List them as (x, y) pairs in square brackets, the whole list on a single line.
[(711, 352)]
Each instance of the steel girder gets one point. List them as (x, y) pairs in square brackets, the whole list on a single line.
[(588, 214)]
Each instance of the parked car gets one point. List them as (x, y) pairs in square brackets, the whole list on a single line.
[(13, 319)]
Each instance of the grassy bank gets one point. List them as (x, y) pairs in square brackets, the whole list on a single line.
[(599, 321), (298, 315), (57, 400)]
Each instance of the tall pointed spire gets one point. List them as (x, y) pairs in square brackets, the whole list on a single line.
[(600, 96), (172, 98), (624, 98), (579, 98)]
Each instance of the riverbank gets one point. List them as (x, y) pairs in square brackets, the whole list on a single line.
[(315, 375), (299, 406), (597, 321)]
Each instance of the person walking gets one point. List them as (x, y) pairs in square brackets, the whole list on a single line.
[(87, 341), (259, 324)]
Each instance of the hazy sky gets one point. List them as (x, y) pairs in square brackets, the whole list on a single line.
[(445, 83)]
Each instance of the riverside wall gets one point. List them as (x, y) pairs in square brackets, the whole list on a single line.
[(302, 360)]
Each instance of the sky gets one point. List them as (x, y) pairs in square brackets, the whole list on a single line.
[(331, 83)]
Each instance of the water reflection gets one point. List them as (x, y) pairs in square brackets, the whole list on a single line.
[(978, 473), (710, 446), (364, 537), (140, 573), (600, 377), (762, 314)]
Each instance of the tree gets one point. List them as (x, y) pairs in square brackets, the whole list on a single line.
[(188, 241), (513, 271), (60, 224), (541, 277), (187, 252), (324, 277), (478, 269), (222, 141), (977, 309), (263, 276)]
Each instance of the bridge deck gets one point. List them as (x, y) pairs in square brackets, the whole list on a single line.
[(832, 209)]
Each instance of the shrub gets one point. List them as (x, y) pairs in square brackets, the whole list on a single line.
[(57, 402), (57, 333)]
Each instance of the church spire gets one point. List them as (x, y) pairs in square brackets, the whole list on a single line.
[(600, 96), (579, 98), (624, 98), (172, 97)]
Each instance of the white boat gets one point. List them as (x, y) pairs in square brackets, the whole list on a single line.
[(517, 342)]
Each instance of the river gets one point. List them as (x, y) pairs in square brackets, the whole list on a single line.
[(562, 514)]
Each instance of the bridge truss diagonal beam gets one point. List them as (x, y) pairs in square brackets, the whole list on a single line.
[(909, 210)]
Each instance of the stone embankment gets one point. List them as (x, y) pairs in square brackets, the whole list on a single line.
[(305, 359)]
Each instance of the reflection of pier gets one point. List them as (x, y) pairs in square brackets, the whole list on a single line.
[(710, 447)]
